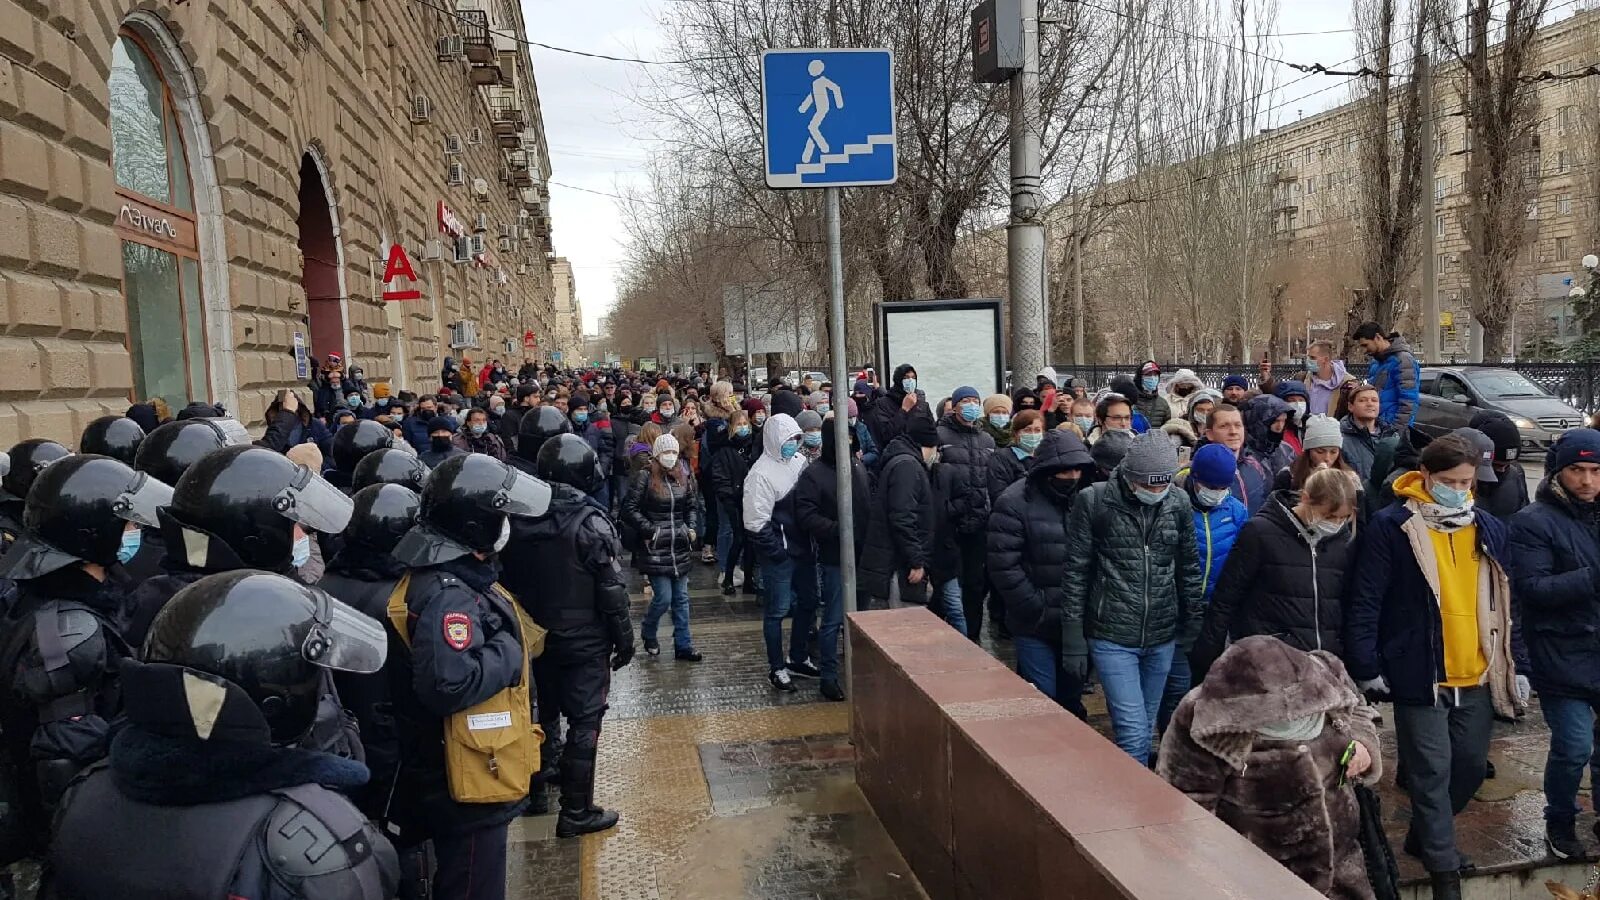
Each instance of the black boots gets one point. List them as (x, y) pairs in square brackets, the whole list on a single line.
[(1562, 839), (579, 815), (1446, 885)]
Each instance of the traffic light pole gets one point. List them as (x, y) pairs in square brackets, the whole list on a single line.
[(1025, 250)]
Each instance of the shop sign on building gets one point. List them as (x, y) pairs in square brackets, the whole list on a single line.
[(399, 266)]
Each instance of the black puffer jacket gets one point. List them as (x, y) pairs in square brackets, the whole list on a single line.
[(963, 474), (1555, 546), (900, 536), (884, 418), (730, 463), (1275, 584), (1028, 539), (1005, 469), (663, 514), (1134, 573), (816, 503)]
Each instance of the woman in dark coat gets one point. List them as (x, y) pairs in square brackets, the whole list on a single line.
[(725, 470), (1285, 575), (663, 509), (886, 416), (1269, 743), (1027, 556), (1009, 464)]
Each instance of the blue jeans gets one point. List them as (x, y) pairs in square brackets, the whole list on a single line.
[(832, 622), (725, 528), (665, 589), (947, 599), (1179, 681), (791, 587), (1039, 664), (1134, 679), (1571, 722)]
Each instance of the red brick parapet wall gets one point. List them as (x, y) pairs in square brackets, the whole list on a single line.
[(992, 791)]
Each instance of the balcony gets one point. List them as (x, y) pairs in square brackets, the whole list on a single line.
[(517, 167), (506, 118), (531, 201), (1286, 174), (474, 27)]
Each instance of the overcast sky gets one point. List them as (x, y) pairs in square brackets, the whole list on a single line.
[(597, 144)]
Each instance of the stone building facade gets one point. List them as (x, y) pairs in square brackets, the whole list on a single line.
[(568, 333), (200, 198)]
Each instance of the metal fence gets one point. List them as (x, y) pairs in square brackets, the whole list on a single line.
[(1573, 382)]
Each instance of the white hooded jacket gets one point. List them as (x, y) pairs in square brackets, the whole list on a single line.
[(771, 477)]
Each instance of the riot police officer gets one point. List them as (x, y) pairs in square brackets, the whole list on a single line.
[(26, 460), (165, 454), (460, 669), (118, 437), (537, 426), (238, 508), (389, 466), (564, 570), (351, 444), (60, 644), (210, 790)]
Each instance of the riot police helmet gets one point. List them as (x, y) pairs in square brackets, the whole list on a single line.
[(118, 437), (382, 516), (77, 511), (250, 498), (538, 426), (568, 459), (390, 465), (354, 440), (27, 459), (169, 450), (270, 636), (465, 508)]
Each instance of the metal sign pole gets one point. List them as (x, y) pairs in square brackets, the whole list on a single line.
[(841, 415)]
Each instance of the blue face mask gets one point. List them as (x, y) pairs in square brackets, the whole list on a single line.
[(477, 428), (909, 385), (581, 416), (822, 408), (131, 540), (1029, 441), (301, 554), (1447, 496), (999, 420), (1150, 382), (742, 431), (789, 449), (970, 411), (813, 439), (1086, 423), (355, 399)]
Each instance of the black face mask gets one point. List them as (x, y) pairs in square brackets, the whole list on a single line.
[(1063, 489), (440, 443)]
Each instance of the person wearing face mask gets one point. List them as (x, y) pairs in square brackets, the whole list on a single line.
[(666, 411), (817, 513), (962, 483), (887, 416), (1286, 573), (475, 437), (731, 448), (996, 419), (663, 509), (328, 395), (1010, 464), (810, 423), (1266, 419), (756, 409), (1147, 398), (1508, 493), (1295, 394), (788, 572), (415, 426), (1132, 587), (866, 448), (903, 534), (594, 426), (1323, 449), (1027, 558), (1428, 624), (1112, 413), (441, 442)]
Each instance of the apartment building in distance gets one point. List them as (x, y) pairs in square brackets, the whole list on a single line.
[(567, 334), (203, 198)]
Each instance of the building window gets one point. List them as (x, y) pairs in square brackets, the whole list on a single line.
[(1438, 225), (1564, 204), (1561, 160), (156, 222), (1563, 249), (1441, 187)]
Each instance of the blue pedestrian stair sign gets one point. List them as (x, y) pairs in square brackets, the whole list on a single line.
[(828, 117)]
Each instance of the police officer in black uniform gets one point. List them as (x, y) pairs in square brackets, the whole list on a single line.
[(389, 466), (564, 569), (165, 454), (537, 426), (242, 507), (118, 437), (210, 790), (462, 647), (351, 444), (26, 460), (60, 644)]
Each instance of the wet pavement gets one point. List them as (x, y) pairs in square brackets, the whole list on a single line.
[(727, 788)]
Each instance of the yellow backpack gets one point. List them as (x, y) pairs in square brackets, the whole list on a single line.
[(491, 750)]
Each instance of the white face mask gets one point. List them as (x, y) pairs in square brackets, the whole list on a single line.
[(505, 534), (669, 460)]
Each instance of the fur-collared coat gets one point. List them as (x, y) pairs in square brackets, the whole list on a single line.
[(1286, 797)]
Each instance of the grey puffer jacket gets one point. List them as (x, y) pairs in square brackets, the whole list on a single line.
[(1360, 447), (1133, 572)]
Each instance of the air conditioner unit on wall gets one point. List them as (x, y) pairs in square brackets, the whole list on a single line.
[(421, 108), (506, 244), (464, 334), (474, 137), (477, 245), (480, 222), (462, 250), (456, 175), (452, 143), (433, 249), (451, 47)]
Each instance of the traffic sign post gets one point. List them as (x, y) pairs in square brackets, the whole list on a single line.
[(827, 121)]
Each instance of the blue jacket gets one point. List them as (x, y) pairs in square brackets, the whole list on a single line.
[(415, 428), (1215, 530), (867, 446), (1397, 375), (1392, 626), (1556, 582)]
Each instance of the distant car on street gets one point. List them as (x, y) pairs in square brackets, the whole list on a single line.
[(1452, 395)]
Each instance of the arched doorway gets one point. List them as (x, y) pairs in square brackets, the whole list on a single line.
[(323, 271)]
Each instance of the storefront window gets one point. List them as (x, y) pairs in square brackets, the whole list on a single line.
[(160, 251)]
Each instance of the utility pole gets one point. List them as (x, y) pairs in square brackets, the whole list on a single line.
[(1078, 358), (1244, 192), (1025, 252), (1431, 351)]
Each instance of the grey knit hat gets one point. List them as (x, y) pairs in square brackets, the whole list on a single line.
[(1322, 432), (808, 420), (1151, 461)]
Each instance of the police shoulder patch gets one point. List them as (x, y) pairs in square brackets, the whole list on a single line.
[(457, 630)]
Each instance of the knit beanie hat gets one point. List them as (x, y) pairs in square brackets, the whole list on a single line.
[(1214, 465), (996, 403), (854, 411), (965, 392), (808, 419), (816, 399), (1110, 448), (753, 405), (1151, 460), (1576, 446), (1238, 381), (1322, 432), (921, 430), (380, 390), (664, 444)]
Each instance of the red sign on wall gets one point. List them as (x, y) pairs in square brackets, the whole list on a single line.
[(399, 266), (529, 340)]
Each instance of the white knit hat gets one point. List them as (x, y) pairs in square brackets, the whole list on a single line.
[(1322, 432), (664, 444)]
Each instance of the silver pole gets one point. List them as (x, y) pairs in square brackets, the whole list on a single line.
[(1431, 350), (841, 416), (1025, 233)]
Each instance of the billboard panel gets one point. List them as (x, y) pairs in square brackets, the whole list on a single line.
[(950, 343)]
